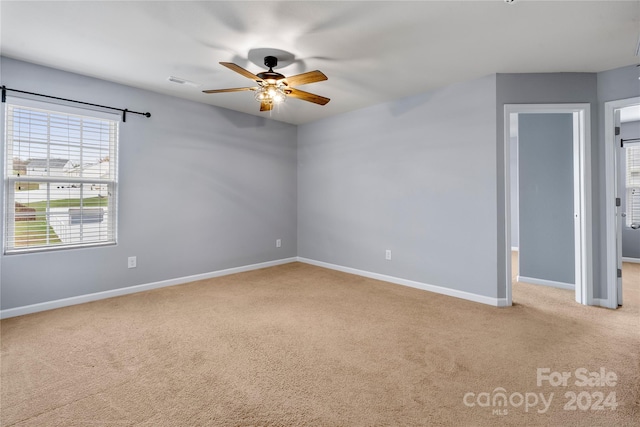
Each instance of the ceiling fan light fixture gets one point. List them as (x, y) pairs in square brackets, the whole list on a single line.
[(271, 94)]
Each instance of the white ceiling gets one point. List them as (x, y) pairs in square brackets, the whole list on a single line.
[(372, 52)]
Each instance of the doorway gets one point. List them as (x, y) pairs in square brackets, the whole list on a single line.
[(614, 209), (579, 215)]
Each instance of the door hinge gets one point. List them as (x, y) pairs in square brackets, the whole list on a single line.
[(618, 202), (619, 273), (617, 130)]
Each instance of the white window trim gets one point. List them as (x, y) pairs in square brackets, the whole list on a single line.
[(8, 197)]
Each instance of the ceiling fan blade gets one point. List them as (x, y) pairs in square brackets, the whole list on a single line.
[(305, 78), (238, 69), (306, 96), (235, 89), (266, 106)]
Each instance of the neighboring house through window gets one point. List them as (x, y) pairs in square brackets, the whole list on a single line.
[(60, 176)]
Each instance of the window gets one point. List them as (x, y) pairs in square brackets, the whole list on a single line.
[(60, 177), (633, 184)]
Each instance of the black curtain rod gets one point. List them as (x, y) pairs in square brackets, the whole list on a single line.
[(622, 141), (124, 111)]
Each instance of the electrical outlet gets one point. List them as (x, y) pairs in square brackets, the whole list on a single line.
[(132, 262), (278, 243), (387, 255)]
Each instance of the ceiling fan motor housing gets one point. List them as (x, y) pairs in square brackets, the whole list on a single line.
[(270, 76)]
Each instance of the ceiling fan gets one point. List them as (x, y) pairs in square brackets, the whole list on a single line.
[(273, 88)]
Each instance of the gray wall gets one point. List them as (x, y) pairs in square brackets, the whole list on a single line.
[(417, 176), (201, 189), (545, 144), (612, 85), (548, 88), (630, 237)]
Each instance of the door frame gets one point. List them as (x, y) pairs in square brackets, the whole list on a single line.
[(613, 257), (582, 193)]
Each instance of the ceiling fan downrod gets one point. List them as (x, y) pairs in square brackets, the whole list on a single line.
[(271, 61)]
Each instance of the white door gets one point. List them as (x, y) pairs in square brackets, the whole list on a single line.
[(614, 216), (619, 214)]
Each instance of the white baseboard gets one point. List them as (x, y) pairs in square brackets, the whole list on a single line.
[(50, 305), (634, 260), (80, 299), (496, 302), (544, 282)]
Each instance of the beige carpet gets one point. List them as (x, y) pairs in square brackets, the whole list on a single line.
[(298, 345)]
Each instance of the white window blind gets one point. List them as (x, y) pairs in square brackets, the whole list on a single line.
[(633, 184), (60, 177)]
